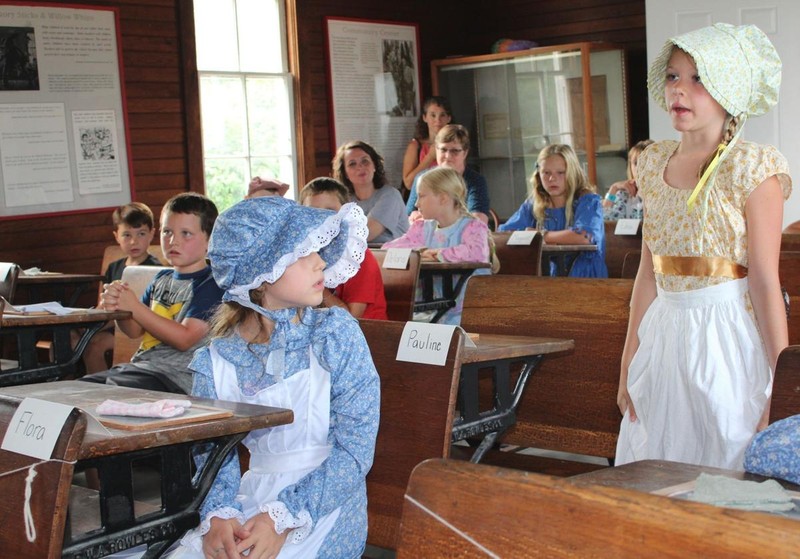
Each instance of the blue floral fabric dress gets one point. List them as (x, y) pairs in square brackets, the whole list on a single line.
[(587, 213), (308, 475)]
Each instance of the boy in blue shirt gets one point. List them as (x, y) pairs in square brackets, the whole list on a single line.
[(174, 309)]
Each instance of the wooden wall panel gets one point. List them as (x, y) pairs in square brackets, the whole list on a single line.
[(153, 49)]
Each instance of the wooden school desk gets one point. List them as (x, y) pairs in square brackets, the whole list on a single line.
[(564, 256), (115, 452), (27, 330), (498, 352), (64, 288), (454, 276)]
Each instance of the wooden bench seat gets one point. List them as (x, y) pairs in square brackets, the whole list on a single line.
[(49, 490), (570, 404), (457, 509), (417, 410), (786, 385)]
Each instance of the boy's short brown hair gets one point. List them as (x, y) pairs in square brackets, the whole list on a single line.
[(325, 184), (134, 215), (196, 204)]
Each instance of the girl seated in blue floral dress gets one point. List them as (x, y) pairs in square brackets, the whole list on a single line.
[(564, 207), (304, 494)]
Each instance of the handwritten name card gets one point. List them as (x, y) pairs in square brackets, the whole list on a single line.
[(521, 237), (397, 258), (35, 427), (627, 226), (423, 342)]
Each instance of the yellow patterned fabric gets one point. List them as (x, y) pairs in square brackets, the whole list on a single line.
[(672, 229)]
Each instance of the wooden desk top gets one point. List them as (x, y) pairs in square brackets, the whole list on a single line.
[(77, 318), (435, 266), (653, 475), (86, 395), (500, 346), (568, 248), (53, 278)]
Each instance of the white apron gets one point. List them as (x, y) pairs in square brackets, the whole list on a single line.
[(281, 456), (699, 380)]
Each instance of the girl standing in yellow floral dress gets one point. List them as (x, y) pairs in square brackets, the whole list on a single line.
[(707, 320)]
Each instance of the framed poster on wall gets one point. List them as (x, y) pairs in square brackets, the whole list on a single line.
[(374, 85), (63, 134)]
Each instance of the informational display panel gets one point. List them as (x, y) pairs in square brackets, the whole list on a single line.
[(63, 140), (374, 84)]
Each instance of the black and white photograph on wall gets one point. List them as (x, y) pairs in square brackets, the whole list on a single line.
[(398, 61), (18, 59)]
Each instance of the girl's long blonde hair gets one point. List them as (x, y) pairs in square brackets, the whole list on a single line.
[(443, 180), (577, 182)]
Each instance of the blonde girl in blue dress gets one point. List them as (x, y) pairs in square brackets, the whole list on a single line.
[(305, 492), (707, 319)]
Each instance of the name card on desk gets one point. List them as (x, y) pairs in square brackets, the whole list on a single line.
[(35, 427), (521, 237), (397, 258), (627, 226), (423, 342)]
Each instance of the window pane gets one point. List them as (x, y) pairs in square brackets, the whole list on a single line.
[(223, 116), (260, 36), (226, 181), (215, 33), (270, 116)]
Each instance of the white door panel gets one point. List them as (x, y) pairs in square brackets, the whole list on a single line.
[(779, 19)]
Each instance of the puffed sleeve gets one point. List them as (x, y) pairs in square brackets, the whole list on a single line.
[(756, 163), (588, 219), (522, 218), (413, 238), (474, 245), (355, 408)]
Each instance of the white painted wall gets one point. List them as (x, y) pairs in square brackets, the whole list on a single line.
[(779, 19)]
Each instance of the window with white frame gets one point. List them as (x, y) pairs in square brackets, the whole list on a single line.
[(245, 95)]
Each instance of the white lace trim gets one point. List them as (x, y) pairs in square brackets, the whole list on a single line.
[(318, 238), (194, 538), (284, 520)]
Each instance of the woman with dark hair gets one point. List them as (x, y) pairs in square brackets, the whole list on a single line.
[(421, 153), (359, 167)]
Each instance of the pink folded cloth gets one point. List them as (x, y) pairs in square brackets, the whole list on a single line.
[(161, 408)]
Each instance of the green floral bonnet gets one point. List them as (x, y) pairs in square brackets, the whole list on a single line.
[(740, 69), (738, 66)]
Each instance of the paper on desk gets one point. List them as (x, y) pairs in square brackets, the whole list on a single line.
[(162, 408), (39, 272), (52, 307)]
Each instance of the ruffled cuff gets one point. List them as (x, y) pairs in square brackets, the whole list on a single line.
[(300, 525), (194, 538)]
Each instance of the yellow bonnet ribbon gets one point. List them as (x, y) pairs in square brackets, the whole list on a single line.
[(708, 176), (704, 179)]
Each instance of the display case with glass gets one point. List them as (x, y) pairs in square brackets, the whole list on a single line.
[(514, 104)]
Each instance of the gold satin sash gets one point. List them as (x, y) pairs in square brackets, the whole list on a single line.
[(698, 266)]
